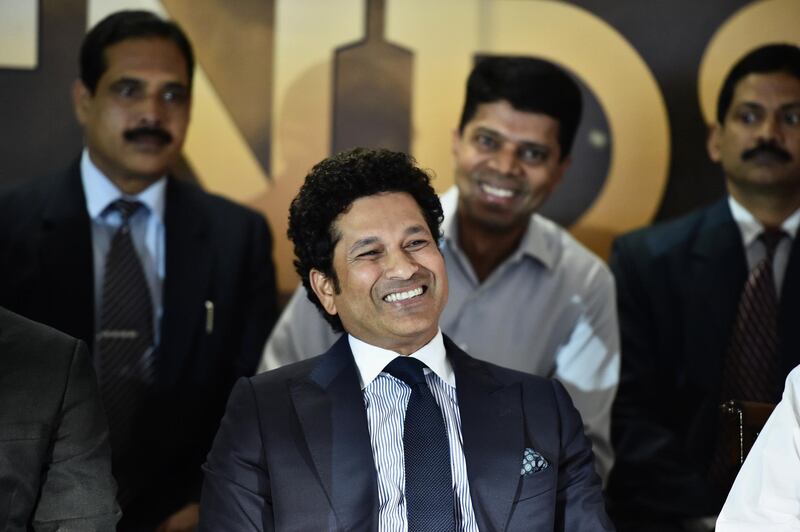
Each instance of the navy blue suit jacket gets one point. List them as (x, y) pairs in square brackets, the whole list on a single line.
[(293, 451), (678, 287), (215, 251)]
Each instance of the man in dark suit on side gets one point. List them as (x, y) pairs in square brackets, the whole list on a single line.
[(55, 462), (172, 288), (394, 426), (709, 307)]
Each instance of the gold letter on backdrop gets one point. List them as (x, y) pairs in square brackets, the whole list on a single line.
[(19, 33)]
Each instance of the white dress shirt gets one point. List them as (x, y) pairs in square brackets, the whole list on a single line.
[(386, 399), (766, 493), (750, 228)]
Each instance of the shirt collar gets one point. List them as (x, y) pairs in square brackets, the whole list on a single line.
[(100, 191), (751, 228), (370, 360), (533, 244)]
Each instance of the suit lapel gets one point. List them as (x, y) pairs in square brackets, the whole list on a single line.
[(67, 258), (187, 278), (330, 407), (492, 428), (717, 273)]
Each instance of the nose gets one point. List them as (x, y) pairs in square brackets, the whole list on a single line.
[(151, 110), (505, 160), (400, 265), (770, 128)]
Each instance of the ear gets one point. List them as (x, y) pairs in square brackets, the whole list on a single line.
[(323, 288), (713, 141), (81, 101)]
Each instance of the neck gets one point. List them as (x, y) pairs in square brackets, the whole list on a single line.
[(771, 208), (486, 248)]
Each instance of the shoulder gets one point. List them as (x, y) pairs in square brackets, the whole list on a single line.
[(182, 194), (669, 237), (494, 375), (569, 258), (33, 338), (30, 195), (37, 361)]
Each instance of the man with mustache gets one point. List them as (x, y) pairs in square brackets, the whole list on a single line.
[(171, 287), (709, 307), (394, 427), (523, 293)]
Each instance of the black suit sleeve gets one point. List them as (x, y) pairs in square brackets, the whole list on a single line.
[(236, 490), (78, 490), (652, 476), (260, 310)]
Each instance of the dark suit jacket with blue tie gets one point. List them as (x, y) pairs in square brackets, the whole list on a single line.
[(293, 451), (215, 251), (678, 287)]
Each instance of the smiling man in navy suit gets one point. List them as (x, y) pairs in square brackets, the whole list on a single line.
[(394, 427)]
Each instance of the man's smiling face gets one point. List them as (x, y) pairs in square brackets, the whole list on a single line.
[(507, 163), (392, 284)]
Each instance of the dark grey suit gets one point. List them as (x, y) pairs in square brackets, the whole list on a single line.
[(293, 451), (55, 462), (678, 288)]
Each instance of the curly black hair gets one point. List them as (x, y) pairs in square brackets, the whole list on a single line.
[(331, 188)]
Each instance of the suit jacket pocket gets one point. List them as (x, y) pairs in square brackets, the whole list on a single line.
[(535, 505), (536, 484)]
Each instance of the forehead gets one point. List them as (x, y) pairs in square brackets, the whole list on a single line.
[(381, 216), (145, 58), (515, 124), (773, 88)]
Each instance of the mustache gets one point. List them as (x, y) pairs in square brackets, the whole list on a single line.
[(767, 148), (161, 135)]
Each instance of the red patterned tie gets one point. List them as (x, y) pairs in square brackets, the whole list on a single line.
[(752, 369)]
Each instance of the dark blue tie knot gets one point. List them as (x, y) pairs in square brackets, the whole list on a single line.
[(126, 208), (771, 238), (407, 369)]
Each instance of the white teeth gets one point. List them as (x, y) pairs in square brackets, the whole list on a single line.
[(497, 191), (402, 296)]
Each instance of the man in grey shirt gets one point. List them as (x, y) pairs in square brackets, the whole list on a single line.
[(523, 293)]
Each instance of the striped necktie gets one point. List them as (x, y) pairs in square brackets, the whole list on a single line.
[(125, 335), (430, 501)]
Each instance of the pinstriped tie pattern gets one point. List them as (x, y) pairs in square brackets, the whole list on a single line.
[(126, 333), (430, 501), (752, 365)]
